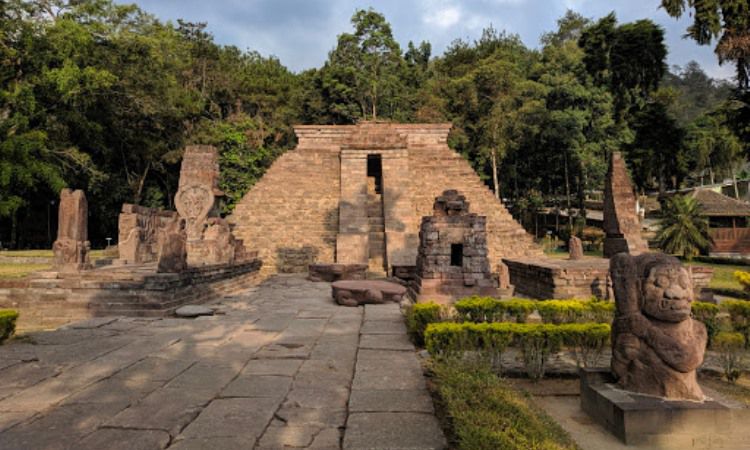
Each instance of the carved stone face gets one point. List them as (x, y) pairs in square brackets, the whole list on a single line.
[(667, 293)]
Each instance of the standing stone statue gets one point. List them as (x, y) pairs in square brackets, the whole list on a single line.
[(71, 249), (656, 346), (622, 226), (172, 256), (575, 248)]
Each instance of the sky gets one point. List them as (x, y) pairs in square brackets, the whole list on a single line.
[(302, 32)]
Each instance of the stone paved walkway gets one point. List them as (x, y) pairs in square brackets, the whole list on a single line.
[(280, 367)]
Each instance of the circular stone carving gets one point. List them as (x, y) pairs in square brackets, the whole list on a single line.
[(361, 292)]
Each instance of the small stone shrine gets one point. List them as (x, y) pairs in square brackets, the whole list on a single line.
[(452, 256), (651, 397), (141, 233), (622, 226), (71, 249), (209, 237)]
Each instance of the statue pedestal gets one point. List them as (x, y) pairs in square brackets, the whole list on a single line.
[(665, 424)]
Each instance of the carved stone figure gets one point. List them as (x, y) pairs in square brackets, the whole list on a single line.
[(173, 251), (141, 233), (71, 249), (575, 248), (656, 345)]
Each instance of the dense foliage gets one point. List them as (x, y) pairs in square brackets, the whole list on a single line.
[(103, 96)]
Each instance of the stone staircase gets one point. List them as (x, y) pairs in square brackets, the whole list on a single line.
[(375, 217)]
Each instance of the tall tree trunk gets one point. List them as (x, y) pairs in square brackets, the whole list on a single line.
[(711, 174), (141, 183), (567, 189), (495, 181)]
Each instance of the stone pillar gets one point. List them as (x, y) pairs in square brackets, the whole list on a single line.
[(622, 227), (209, 239), (71, 249), (575, 248)]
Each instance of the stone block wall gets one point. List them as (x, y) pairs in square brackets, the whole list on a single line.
[(46, 303), (559, 279), (291, 215)]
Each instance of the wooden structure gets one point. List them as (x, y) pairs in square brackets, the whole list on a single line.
[(728, 222)]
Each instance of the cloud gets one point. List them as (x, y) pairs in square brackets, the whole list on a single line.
[(444, 17)]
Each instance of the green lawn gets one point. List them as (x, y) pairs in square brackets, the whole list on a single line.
[(560, 253), (19, 270), (94, 254), (724, 275)]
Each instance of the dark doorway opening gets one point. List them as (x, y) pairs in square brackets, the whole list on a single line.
[(375, 170), (457, 255)]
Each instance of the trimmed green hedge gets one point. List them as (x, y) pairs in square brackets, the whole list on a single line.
[(420, 315), (536, 341), (7, 323), (488, 309)]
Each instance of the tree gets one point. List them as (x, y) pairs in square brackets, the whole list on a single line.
[(714, 147), (682, 230), (364, 74), (727, 22), (628, 59)]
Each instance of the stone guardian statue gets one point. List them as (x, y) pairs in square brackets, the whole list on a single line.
[(656, 345)]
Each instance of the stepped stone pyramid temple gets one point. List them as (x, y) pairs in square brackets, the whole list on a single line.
[(356, 194)]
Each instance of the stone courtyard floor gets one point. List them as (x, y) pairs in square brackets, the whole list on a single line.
[(280, 366)]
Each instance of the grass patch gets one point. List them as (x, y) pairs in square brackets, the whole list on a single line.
[(561, 253), (93, 254), (20, 270), (484, 411), (724, 275)]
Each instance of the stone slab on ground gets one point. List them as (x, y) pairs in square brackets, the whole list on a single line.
[(393, 431), (275, 369)]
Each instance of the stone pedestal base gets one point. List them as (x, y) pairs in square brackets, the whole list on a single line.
[(657, 423)]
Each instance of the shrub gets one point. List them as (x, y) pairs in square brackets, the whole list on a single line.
[(536, 341), (706, 313), (739, 314), (487, 309), (588, 341), (487, 413), (743, 278), (7, 323), (730, 346), (419, 316)]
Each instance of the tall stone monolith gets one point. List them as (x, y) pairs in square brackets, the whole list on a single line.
[(71, 249), (622, 226)]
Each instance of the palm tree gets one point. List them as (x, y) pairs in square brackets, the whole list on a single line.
[(682, 230)]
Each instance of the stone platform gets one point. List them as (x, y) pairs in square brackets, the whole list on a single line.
[(549, 278), (657, 423), (52, 299), (331, 272), (279, 366)]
